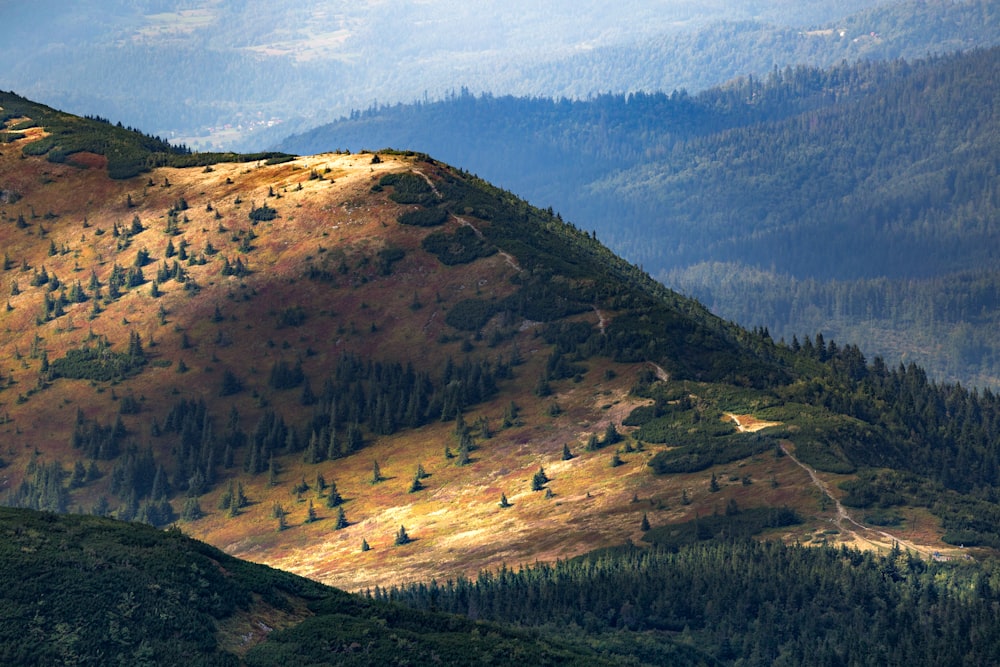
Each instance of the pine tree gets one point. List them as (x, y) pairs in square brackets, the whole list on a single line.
[(616, 460), (402, 537), (503, 500), (376, 473), (364, 545), (415, 485), (226, 500), (539, 480), (566, 454), (272, 472), (191, 510), (644, 524), (333, 498), (310, 513), (341, 521)]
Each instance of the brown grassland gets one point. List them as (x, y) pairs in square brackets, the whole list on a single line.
[(327, 214)]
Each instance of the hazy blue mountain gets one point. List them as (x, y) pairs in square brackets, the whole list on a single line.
[(176, 69)]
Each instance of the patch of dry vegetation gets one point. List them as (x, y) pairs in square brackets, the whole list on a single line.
[(327, 218)]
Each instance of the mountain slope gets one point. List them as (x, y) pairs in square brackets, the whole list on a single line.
[(806, 200), (378, 369)]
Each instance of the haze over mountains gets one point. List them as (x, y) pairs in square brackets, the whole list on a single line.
[(857, 200), (382, 372), (176, 69), (272, 69)]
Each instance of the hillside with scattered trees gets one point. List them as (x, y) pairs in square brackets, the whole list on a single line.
[(856, 200)]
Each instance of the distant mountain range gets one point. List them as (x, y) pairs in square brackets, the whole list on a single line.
[(235, 75)]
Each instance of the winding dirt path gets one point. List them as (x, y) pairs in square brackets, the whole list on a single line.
[(506, 255), (858, 530), (602, 321), (875, 538)]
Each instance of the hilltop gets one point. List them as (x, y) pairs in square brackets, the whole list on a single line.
[(294, 358), (856, 199)]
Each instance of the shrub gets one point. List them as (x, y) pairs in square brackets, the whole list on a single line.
[(470, 314), (424, 217), (263, 214), (462, 247)]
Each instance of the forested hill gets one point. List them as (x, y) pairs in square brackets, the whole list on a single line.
[(86, 590), (872, 171)]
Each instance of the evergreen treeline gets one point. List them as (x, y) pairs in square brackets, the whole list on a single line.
[(745, 603), (943, 433)]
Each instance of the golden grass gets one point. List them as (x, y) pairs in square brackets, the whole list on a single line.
[(456, 522)]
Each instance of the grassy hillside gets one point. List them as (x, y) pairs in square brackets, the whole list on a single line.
[(854, 200), (300, 360)]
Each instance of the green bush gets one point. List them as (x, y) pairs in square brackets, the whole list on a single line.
[(263, 214), (470, 314), (700, 451), (424, 217), (461, 247), (409, 188)]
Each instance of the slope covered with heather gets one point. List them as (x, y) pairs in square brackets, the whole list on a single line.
[(376, 369)]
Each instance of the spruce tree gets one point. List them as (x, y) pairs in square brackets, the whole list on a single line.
[(644, 524), (310, 513), (402, 537), (503, 500), (333, 498), (566, 454), (415, 485), (364, 545), (341, 521), (539, 480), (191, 510)]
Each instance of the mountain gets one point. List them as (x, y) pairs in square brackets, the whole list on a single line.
[(234, 74), (386, 374), (853, 201), (257, 345)]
